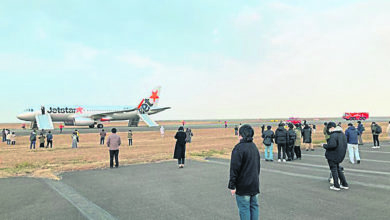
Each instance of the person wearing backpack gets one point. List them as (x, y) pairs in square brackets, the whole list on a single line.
[(298, 138), (291, 142), (361, 129), (281, 138), (376, 130), (268, 141)]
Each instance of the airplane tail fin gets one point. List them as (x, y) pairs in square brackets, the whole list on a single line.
[(146, 103)]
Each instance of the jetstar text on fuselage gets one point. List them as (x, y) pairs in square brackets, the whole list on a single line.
[(52, 110)]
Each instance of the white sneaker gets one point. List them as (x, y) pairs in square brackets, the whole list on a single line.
[(344, 187), (279, 160), (334, 188), (284, 160), (374, 147), (378, 147)]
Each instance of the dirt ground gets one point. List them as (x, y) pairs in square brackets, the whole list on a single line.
[(148, 146)]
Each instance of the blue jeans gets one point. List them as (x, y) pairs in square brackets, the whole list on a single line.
[(269, 155), (32, 144), (248, 207)]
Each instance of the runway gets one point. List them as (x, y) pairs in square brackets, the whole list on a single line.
[(231, 124), (292, 190)]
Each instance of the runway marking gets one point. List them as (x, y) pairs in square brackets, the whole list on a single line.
[(89, 209), (379, 186), (378, 152), (378, 161)]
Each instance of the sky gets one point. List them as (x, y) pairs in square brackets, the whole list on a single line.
[(214, 59)]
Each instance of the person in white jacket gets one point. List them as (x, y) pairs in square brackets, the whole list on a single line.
[(388, 130), (162, 131)]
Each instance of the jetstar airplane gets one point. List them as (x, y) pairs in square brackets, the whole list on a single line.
[(80, 115)]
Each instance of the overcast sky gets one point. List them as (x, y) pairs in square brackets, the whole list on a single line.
[(213, 59)]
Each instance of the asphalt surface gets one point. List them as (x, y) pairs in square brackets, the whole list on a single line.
[(231, 124), (292, 190)]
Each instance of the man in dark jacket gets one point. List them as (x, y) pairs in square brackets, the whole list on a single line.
[(281, 139), (353, 148), (361, 129), (244, 179), (291, 142), (268, 141), (336, 148), (33, 139), (376, 130), (49, 139)]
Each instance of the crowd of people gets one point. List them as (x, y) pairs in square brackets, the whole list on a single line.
[(8, 136)]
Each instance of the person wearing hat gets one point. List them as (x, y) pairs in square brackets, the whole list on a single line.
[(281, 139), (353, 148), (180, 147), (336, 148), (113, 142), (244, 182)]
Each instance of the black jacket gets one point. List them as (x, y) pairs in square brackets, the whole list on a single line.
[(292, 136), (245, 169), (281, 136), (180, 147), (306, 133), (268, 134), (336, 146)]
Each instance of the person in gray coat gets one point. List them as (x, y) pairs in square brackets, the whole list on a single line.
[(74, 140), (189, 135)]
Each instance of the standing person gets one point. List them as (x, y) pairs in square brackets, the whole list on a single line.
[(183, 123), (113, 142), (225, 124), (130, 137), (244, 180), (297, 147), (325, 131), (4, 135), (13, 136), (49, 139), (388, 130), (180, 147), (291, 142), (361, 129), (61, 127), (336, 148), (281, 138), (43, 110), (42, 140), (74, 139), (189, 135), (262, 128), (162, 131), (314, 128), (268, 141), (78, 135), (102, 137), (306, 133), (236, 130), (352, 139), (33, 139), (376, 130), (8, 138)]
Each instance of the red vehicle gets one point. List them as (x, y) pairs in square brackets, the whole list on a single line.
[(294, 121), (355, 115)]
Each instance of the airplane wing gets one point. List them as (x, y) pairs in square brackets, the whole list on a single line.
[(157, 110), (107, 114)]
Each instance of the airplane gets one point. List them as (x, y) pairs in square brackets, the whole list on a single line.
[(80, 115)]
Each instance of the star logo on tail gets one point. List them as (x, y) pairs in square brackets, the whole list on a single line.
[(79, 109), (154, 96)]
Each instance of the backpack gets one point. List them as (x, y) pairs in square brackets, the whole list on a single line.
[(267, 141), (378, 129)]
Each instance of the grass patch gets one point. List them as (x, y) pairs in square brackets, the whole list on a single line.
[(208, 153)]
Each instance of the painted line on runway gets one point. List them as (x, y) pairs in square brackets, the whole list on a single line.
[(378, 161), (89, 209), (379, 186), (378, 152)]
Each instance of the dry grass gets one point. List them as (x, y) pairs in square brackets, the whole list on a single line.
[(148, 147)]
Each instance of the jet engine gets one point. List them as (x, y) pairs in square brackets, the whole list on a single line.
[(79, 121)]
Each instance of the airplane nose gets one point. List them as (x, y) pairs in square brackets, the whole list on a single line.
[(21, 116)]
